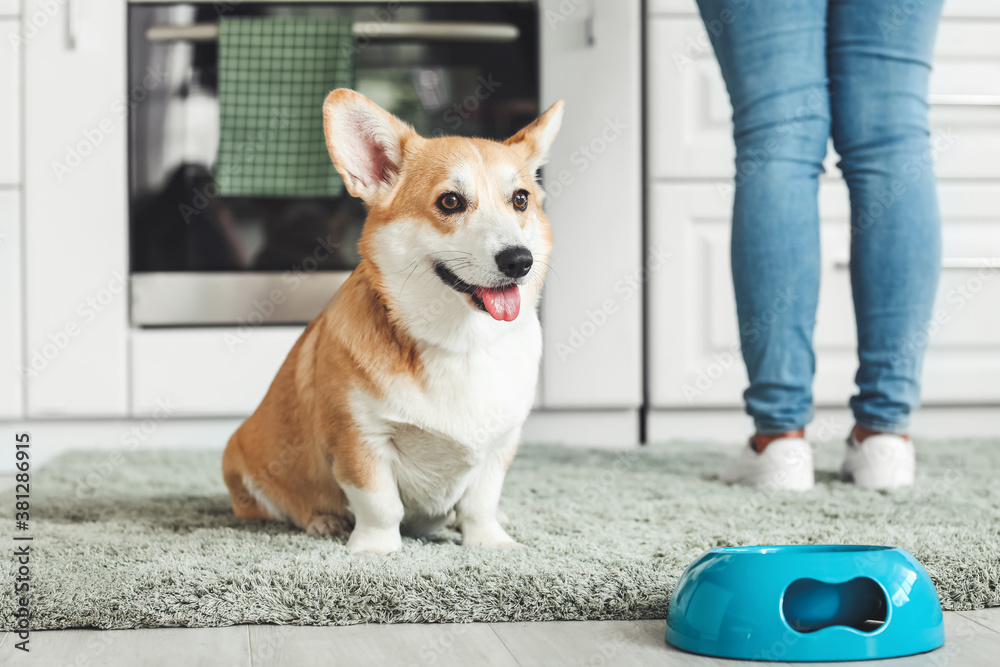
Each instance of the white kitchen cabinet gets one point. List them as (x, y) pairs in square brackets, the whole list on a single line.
[(207, 372), (592, 307), (11, 398), (694, 347), (694, 357), (977, 9), (75, 212), (9, 8), (965, 100), (10, 105), (690, 128)]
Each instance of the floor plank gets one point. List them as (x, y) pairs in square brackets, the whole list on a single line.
[(402, 644), (642, 643), (166, 647), (557, 643), (989, 618), (972, 640)]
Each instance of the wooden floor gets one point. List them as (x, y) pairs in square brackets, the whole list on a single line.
[(973, 640)]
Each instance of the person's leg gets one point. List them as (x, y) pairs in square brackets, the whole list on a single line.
[(773, 59), (879, 55)]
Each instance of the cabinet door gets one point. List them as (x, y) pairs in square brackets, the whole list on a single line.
[(965, 99), (75, 210), (591, 310), (960, 8), (694, 348), (689, 116), (690, 128), (11, 401), (10, 105)]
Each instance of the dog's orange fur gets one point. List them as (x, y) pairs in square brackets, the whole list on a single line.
[(302, 440)]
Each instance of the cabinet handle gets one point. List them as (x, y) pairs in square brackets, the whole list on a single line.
[(970, 263), (965, 100), (952, 263), (70, 25)]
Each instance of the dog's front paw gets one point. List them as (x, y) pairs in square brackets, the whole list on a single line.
[(367, 541), (328, 524), (492, 536)]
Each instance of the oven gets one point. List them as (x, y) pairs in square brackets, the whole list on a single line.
[(204, 256)]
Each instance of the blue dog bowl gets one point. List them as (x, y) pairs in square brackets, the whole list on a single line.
[(805, 603)]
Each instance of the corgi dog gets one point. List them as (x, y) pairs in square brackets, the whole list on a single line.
[(402, 403)]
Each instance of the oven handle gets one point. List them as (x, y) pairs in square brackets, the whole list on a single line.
[(373, 30), (947, 263)]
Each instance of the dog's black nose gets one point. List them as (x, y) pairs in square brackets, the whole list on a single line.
[(514, 261)]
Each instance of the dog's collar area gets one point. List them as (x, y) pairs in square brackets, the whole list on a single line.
[(451, 280)]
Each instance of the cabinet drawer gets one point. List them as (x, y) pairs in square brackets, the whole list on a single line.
[(9, 8), (689, 112), (10, 106), (694, 348), (207, 372), (952, 8)]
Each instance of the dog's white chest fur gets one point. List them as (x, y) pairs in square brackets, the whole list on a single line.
[(441, 433)]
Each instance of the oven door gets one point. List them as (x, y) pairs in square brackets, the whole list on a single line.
[(201, 258)]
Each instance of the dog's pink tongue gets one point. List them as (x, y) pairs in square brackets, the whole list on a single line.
[(503, 304)]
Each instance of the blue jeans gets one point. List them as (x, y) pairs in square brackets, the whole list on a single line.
[(799, 72)]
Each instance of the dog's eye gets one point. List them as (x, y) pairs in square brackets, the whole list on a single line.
[(451, 202), (520, 200)]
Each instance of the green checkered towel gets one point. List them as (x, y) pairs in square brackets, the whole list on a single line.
[(274, 74)]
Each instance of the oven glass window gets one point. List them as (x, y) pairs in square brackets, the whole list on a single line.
[(181, 223)]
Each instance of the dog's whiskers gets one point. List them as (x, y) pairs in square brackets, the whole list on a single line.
[(402, 269), (415, 265), (549, 268)]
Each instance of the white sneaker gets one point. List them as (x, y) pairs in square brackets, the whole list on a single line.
[(882, 461), (785, 465)]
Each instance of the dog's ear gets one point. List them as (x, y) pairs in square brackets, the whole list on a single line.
[(365, 142), (537, 136)]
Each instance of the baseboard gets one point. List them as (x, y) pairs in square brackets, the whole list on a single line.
[(50, 438), (613, 429), (930, 423)]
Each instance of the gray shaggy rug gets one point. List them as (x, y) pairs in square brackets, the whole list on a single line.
[(147, 539)]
